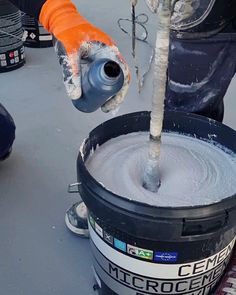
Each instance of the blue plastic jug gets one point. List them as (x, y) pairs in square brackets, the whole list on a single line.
[(103, 79)]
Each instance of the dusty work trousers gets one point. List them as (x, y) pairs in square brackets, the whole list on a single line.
[(7, 132), (200, 72)]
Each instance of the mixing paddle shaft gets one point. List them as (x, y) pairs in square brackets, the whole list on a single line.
[(151, 179)]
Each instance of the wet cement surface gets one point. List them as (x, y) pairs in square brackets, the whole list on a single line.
[(38, 254)]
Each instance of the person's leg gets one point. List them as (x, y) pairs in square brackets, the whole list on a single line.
[(7, 133), (200, 72)]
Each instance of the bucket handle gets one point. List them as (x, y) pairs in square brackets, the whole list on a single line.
[(203, 226), (73, 188)]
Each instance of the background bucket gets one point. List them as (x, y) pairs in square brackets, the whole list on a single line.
[(11, 47), (37, 36), (140, 249)]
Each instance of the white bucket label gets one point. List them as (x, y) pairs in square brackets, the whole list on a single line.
[(132, 276)]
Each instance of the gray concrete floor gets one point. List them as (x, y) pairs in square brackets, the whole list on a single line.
[(38, 254)]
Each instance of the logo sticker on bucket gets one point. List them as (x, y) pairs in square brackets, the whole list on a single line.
[(92, 221), (141, 253), (124, 274), (108, 238), (99, 230), (120, 245), (165, 256)]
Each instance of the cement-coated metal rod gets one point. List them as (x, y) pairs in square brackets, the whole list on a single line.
[(152, 179), (133, 4)]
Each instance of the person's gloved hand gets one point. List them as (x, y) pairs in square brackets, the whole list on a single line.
[(78, 39), (182, 11), (153, 5)]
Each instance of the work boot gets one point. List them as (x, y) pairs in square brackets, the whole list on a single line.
[(76, 219)]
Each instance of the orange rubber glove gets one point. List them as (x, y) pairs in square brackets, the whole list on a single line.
[(78, 39)]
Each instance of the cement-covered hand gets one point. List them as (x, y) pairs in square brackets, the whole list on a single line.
[(182, 10), (78, 39)]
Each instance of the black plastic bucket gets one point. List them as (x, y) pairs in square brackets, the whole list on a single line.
[(11, 46), (36, 35), (141, 249)]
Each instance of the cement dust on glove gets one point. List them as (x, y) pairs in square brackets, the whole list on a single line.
[(186, 14), (78, 40)]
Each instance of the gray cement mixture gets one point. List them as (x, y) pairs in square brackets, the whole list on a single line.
[(193, 172)]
